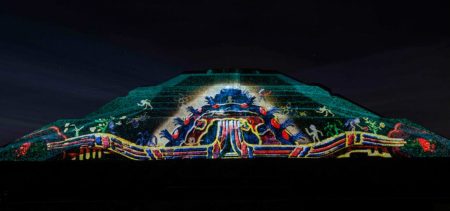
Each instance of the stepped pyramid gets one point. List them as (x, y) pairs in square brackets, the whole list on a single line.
[(227, 114)]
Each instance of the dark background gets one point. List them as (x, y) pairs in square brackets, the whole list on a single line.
[(65, 59), (227, 184)]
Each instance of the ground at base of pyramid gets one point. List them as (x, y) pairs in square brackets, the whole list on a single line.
[(219, 114)]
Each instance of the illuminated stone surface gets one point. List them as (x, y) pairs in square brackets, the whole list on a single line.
[(227, 114)]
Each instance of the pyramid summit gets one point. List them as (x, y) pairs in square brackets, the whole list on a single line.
[(227, 113)]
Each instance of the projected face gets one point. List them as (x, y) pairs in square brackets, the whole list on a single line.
[(221, 122), (229, 130), (230, 118)]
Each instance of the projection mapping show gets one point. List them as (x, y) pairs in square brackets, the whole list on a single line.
[(227, 114)]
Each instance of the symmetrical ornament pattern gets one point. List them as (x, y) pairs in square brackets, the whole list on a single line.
[(227, 115)]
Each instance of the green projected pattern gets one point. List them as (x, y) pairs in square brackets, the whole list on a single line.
[(227, 114)]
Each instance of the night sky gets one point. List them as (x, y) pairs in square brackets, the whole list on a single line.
[(65, 59)]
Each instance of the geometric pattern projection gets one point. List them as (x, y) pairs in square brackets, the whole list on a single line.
[(227, 114)]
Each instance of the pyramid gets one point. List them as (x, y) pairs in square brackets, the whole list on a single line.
[(219, 114)]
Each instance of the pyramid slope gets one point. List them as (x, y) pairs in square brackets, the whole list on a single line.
[(246, 114)]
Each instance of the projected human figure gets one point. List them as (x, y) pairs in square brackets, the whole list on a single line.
[(324, 110), (230, 99), (353, 123), (147, 104), (314, 133)]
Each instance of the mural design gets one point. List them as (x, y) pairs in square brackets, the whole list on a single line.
[(263, 115)]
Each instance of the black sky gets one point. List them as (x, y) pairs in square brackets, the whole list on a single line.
[(64, 59)]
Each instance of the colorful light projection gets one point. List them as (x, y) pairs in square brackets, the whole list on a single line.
[(231, 115)]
